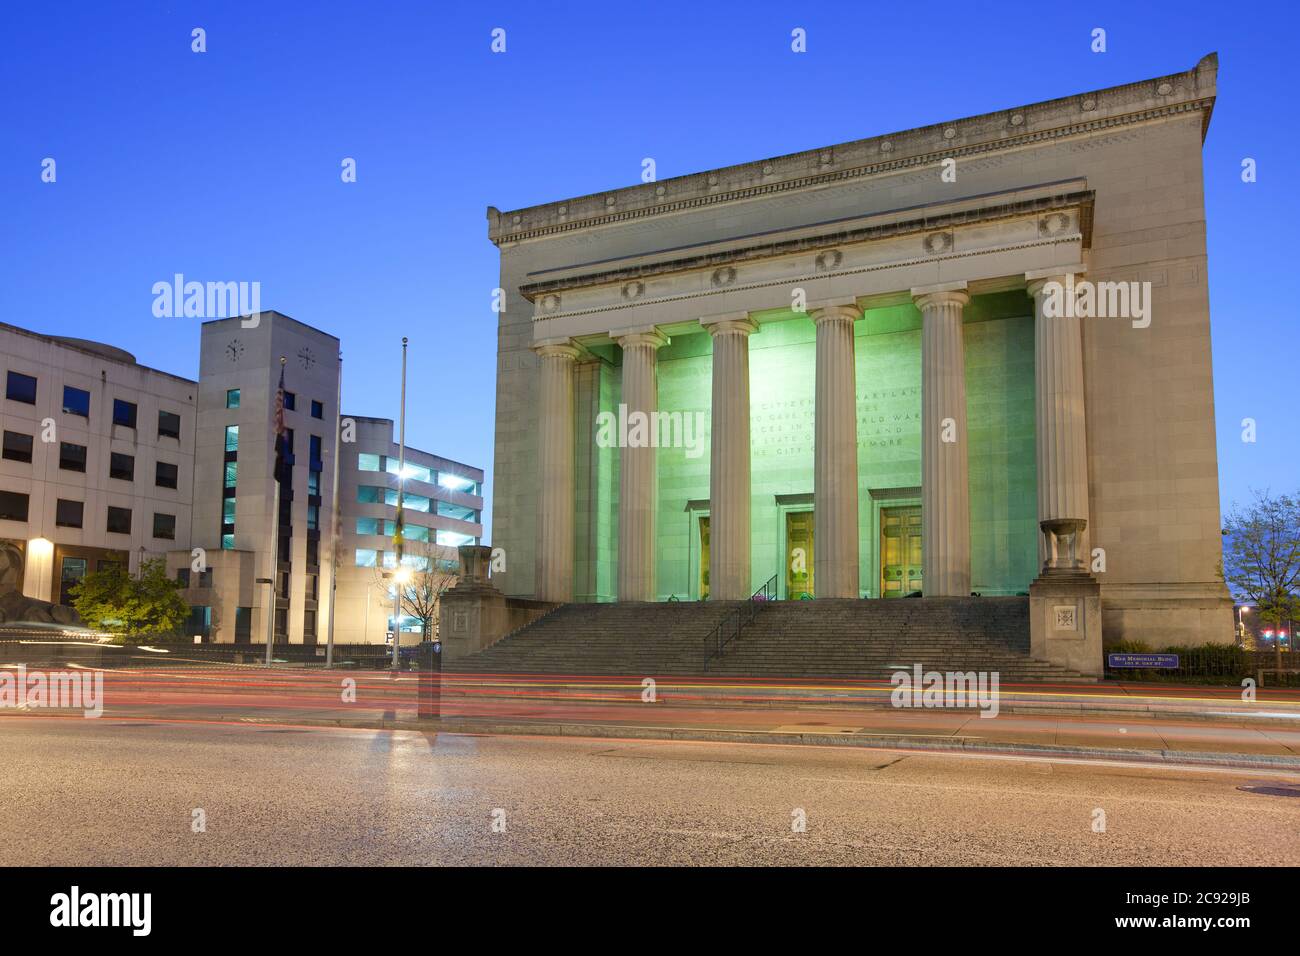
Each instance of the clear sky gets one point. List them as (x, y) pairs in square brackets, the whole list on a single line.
[(225, 165)]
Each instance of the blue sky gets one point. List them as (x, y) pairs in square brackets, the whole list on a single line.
[(225, 165)]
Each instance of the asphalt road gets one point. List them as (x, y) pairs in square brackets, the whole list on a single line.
[(78, 792)]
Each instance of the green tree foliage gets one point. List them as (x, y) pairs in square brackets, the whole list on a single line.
[(145, 607), (1261, 556)]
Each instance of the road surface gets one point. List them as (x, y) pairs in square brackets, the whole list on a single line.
[(110, 791)]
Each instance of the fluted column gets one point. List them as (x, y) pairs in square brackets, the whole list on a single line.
[(729, 468), (945, 474), (1060, 421), (637, 477), (835, 456), (555, 450)]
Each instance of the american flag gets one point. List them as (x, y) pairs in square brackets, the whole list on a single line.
[(281, 434)]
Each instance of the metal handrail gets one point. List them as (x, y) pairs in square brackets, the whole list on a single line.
[(735, 621)]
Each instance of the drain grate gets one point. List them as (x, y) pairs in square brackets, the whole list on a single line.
[(1273, 790)]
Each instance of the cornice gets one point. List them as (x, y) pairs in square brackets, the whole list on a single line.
[(1176, 94), (1082, 199)]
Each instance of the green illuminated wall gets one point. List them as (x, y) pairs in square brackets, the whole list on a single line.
[(1000, 412)]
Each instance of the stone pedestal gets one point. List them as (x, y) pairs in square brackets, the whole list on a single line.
[(1065, 621), (473, 614)]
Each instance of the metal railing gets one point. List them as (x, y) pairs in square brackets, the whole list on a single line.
[(735, 621)]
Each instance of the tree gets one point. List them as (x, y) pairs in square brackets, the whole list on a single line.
[(422, 594), (1261, 556), (146, 606)]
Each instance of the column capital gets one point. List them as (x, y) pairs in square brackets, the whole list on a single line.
[(649, 335), (944, 292), (557, 348), (834, 310), (1034, 281), (728, 322)]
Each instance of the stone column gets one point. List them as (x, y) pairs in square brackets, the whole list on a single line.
[(1060, 422), (945, 475), (637, 482), (729, 468), (835, 456), (555, 450)]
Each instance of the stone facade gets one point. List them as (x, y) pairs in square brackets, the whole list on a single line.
[(1030, 442)]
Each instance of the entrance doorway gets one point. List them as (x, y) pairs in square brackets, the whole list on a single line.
[(704, 557), (798, 554), (900, 551)]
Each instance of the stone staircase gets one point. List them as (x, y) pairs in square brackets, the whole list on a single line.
[(821, 639)]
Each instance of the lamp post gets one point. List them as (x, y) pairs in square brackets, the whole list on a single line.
[(401, 578)]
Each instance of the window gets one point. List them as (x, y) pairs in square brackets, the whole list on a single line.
[(69, 514), (409, 502), (290, 401), (227, 542), (169, 425), (232, 398), (415, 532), (124, 413), (317, 409), (72, 457), (313, 452), (71, 572), (21, 388), (313, 517), (232, 438), (281, 622), (76, 401), (368, 526), (164, 526), (121, 466), (119, 520), (17, 446), (165, 474), (308, 624), (453, 539), (368, 494), (455, 482), (228, 510), (449, 510), (13, 506), (366, 557), (313, 483), (183, 577), (232, 473), (313, 587), (367, 462), (243, 625), (200, 622), (411, 471)]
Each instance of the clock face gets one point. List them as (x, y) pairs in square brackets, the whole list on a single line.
[(235, 349), (307, 357)]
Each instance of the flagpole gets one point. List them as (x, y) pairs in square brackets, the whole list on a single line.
[(334, 526), (275, 529), (401, 530)]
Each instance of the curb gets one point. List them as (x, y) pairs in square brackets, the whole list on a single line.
[(868, 742), (950, 745)]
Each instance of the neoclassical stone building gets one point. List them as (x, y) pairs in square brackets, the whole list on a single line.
[(870, 333)]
